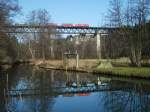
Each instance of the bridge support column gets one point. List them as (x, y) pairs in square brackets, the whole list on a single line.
[(98, 45), (77, 60)]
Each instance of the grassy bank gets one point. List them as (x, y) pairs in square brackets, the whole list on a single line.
[(143, 72), (120, 67), (113, 67)]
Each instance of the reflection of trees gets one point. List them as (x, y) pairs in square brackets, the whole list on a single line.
[(130, 100), (2, 88), (31, 104), (28, 77), (33, 78)]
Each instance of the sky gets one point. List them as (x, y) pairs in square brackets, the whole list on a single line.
[(90, 12)]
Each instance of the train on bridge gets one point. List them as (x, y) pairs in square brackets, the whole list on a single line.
[(75, 25), (58, 25)]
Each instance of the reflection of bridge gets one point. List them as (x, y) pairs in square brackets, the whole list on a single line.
[(56, 29), (62, 90)]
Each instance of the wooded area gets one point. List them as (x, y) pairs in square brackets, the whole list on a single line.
[(132, 39)]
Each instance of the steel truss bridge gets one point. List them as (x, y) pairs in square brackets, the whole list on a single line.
[(55, 29)]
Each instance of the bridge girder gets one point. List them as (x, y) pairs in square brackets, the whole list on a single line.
[(55, 29)]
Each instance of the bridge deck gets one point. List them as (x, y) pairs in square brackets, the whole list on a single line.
[(55, 29)]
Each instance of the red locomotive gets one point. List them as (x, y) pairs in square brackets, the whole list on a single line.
[(75, 25)]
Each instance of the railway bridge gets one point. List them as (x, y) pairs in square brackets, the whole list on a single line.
[(62, 29)]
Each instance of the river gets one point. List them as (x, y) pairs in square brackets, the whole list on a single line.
[(26, 88)]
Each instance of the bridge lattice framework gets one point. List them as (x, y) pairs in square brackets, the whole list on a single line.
[(55, 29)]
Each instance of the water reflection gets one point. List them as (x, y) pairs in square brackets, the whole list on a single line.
[(122, 96), (2, 91), (127, 101)]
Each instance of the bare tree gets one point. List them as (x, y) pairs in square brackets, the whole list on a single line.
[(136, 16), (8, 9), (115, 13), (42, 41), (132, 26)]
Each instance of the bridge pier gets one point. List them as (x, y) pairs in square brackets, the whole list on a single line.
[(66, 57), (98, 45), (77, 60)]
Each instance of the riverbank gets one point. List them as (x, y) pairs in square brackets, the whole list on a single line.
[(3, 62), (132, 72), (8, 64), (119, 69)]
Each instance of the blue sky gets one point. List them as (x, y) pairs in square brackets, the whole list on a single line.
[(68, 11)]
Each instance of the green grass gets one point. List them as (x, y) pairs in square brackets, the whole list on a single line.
[(104, 65), (143, 72)]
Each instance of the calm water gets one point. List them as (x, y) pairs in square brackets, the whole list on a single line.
[(122, 96)]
